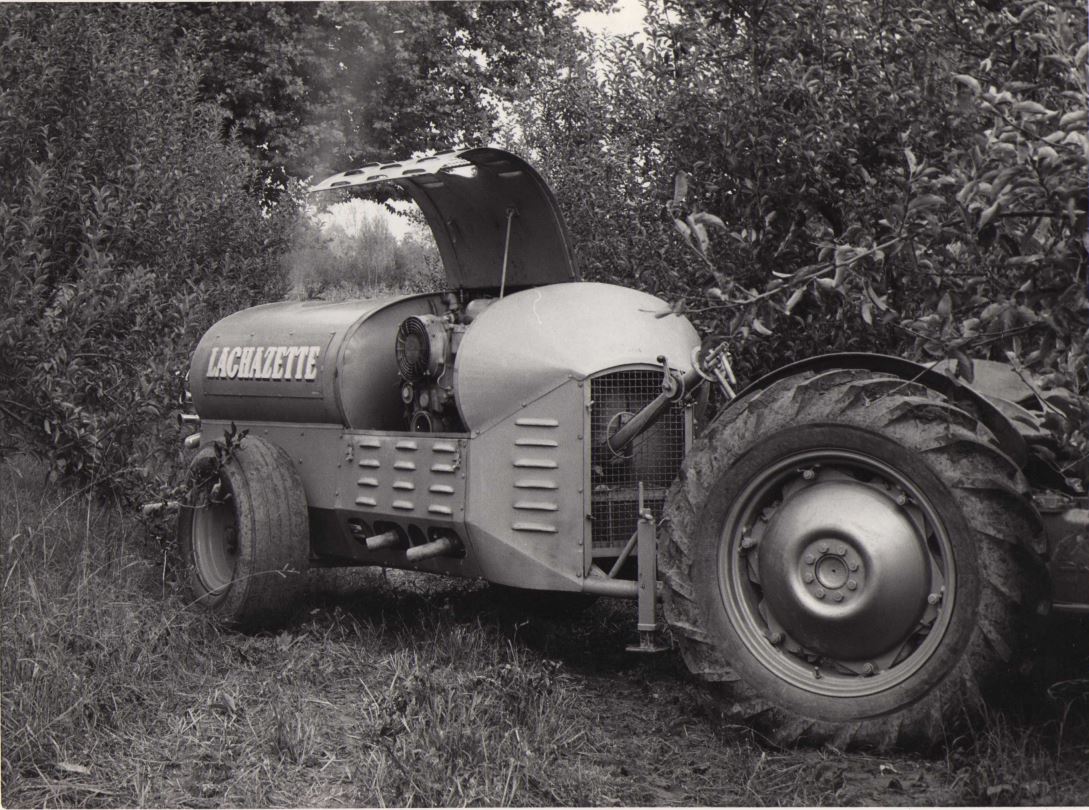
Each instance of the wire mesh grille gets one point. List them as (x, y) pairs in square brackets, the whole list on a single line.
[(653, 458)]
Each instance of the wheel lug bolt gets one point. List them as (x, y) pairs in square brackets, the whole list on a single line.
[(776, 638), (841, 550), (851, 585), (808, 577), (823, 548), (819, 593), (852, 565), (868, 669), (808, 475), (810, 559), (934, 598), (901, 499), (747, 541), (838, 597)]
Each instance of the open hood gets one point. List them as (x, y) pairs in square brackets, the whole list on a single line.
[(468, 196)]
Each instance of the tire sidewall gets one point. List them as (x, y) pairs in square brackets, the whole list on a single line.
[(205, 470), (269, 506), (740, 467)]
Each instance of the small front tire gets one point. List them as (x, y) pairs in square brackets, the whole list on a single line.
[(244, 535)]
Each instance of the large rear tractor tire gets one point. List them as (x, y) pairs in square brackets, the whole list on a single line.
[(244, 535), (848, 557)]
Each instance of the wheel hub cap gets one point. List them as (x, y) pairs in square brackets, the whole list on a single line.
[(832, 571), (844, 570)]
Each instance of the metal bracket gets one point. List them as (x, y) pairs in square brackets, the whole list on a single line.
[(715, 366)]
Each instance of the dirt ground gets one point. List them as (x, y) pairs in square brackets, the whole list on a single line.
[(655, 737)]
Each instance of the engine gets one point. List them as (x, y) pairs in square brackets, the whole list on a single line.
[(425, 348)]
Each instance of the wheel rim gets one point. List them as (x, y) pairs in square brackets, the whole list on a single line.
[(837, 573), (215, 541)]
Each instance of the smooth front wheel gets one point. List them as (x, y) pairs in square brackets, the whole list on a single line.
[(244, 535)]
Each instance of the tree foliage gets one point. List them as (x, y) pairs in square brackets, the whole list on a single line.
[(356, 251), (126, 228), (312, 88), (804, 177), (797, 177)]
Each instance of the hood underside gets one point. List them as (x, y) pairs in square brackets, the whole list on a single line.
[(471, 198)]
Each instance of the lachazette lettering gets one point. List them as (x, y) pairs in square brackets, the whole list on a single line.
[(264, 363)]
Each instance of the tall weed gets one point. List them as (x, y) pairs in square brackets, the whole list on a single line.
[(114, 693), (88, 649)]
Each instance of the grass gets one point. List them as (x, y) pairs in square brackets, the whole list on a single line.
[(396, 689)]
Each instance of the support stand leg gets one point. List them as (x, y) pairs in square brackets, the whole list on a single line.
[(650, 636)]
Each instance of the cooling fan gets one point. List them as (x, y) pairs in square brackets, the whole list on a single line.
[(421, 347)]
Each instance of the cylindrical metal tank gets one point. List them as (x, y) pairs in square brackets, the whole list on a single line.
[(529, 342), (307, 361), (335, 362)]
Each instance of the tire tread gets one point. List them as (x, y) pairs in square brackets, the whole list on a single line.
[(271, 506), (985, 483)]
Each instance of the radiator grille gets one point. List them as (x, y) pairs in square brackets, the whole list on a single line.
[(653, 458)]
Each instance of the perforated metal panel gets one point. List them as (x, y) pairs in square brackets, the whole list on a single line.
[(653, 458)]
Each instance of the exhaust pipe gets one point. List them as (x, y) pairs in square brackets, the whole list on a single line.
[(436, 548), (384, 540), (188, 419), (192, 442)]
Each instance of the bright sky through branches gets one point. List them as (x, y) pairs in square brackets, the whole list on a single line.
[(626, 18)]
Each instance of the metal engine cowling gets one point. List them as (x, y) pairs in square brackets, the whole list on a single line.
[(532, 341)]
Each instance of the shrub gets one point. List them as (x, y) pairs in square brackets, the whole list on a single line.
[(803, 178), (126, 228)]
